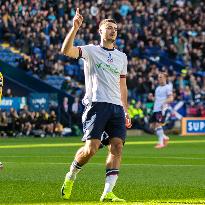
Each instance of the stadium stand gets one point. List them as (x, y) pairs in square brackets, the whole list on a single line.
[(156, 35)]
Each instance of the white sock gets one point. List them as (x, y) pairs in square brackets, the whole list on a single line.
[(160, 134), (74, 170), (110, 180)]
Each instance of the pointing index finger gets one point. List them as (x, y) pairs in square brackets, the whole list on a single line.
[(77, 11)]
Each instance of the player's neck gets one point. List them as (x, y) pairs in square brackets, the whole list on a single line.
[(163, 84), (107, 45)]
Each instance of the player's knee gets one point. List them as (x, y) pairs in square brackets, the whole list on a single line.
[(90, 151), (117, 149), (157, 125)]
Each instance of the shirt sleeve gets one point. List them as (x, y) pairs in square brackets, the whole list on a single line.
[(124, 70), (85, 52)]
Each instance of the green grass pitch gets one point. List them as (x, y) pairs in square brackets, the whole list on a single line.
[(34, 171)]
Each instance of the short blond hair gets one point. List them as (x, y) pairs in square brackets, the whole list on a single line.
[(106, 21)]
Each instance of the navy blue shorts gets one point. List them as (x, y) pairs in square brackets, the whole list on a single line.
[(157, 117), (103, 117)]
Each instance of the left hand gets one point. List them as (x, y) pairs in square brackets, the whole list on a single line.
[(128, 122)]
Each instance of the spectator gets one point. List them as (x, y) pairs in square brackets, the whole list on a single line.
[(3, 124), (8, 93), (151, 30), (13, 119), (25, 124), (66, 112), (77, 110), (138, 116)]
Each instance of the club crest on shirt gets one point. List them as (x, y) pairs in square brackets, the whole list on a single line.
[(110, 59)]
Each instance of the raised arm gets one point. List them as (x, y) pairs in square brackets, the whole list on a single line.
[(67, 48)]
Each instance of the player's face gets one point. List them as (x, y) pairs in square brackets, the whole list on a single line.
[(108, 31), (162, 79)]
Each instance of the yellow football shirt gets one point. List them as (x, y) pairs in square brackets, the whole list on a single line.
[(1, 85)]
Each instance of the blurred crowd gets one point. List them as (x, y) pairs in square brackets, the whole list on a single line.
[(63, 122), (175, 28), (25, 123)]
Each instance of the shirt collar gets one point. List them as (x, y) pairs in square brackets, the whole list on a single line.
[(107, 49)]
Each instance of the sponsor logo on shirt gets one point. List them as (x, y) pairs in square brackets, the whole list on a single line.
[(108, 68)]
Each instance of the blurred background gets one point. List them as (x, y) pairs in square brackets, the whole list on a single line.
[(43, 89)]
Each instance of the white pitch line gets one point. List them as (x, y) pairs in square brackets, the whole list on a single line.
[(138, 157), (142, 157), (80, 144), (154, 165)]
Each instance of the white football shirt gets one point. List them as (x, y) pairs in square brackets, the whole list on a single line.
[(161, 94), (102, 69)]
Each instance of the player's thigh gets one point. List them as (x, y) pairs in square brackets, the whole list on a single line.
[(94, 120), (158, 119), (115, 126)]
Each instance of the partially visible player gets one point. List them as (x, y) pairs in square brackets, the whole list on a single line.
[(1, 85), (163, 97)]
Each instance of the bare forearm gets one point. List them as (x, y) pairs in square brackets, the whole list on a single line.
[(124, 98), (123, 91), (169, 100), (68, 42), (67, 48)]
